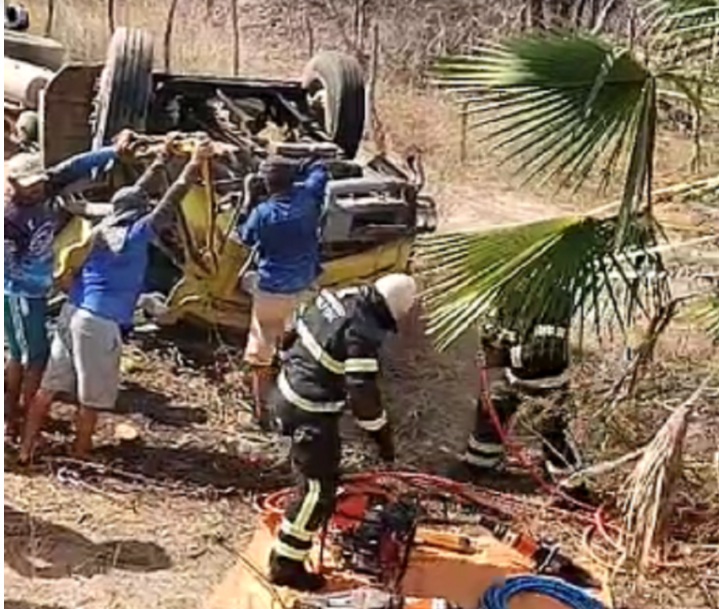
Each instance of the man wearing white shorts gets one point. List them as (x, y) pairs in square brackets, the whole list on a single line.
[(284, 229)]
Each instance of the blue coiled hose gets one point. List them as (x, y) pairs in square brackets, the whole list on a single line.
[(499, 595)]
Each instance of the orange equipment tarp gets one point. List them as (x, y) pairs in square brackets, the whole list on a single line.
[(432, 572)]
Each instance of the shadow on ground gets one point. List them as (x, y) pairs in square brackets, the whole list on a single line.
[(431, 397), (155, 406), (195, 467), (205, 350), (26, 605), (42, 549)]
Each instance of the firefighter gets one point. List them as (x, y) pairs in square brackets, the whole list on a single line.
[(516, 366), (332, 361)]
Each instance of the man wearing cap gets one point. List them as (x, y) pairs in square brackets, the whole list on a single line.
[(25, 132), (284, 232), (333, 362), (85, 353), (30, 218)]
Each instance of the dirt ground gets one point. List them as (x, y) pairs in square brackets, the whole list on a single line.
[(156, 522)]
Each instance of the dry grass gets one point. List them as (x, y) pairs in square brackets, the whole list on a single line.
[(158, 491)]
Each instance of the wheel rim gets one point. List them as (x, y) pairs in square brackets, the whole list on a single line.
[(317, 104)]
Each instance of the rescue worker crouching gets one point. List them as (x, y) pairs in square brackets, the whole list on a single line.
[(515, 368), (332, 362)]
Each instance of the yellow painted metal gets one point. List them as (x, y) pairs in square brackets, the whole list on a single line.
[(71, 247), (208, 292)]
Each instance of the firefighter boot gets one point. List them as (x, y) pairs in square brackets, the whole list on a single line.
[(292, 573)]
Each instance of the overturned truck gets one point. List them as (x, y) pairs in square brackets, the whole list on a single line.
[(373, 209)]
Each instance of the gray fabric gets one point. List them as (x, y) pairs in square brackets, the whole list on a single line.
[(129, 204), (24, 165), (26, 127), (85, 359)]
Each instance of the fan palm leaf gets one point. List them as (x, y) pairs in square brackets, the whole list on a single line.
[(706, 312), (561, 104), (681, 22), (544, 271)]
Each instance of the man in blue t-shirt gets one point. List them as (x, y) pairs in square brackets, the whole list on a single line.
[(30, 223), (284, 231), (86, 349)]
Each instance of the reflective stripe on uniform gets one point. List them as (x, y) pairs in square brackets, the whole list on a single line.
[(334, 302), (297, 528), (556, 470), (286, 550), (546, 330), (477, 461), (316, 350), (361, 364), (288, 528), (488, 448), (297, 400), (309, 504), (515, 356), (373, 424), (559, 381)]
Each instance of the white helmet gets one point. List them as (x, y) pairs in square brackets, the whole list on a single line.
[(399, 292)]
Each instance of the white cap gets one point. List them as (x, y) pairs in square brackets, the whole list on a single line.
[(399, 292)]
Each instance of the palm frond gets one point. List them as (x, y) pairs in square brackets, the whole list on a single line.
[(547, 271), (683, 31), (706, 313), (702, 190), (561, 105), (677, 16)]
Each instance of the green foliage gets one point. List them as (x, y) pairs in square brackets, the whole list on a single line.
[(707, 313), (546, 271), (562, 106)]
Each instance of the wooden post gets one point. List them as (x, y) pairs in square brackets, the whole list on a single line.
[(168, 33), (696, 130), (50, 15), (310, 34), (111, 16), (463, 135), (372, 83), (235, 39)]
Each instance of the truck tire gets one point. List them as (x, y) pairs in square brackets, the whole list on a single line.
[(125, 87), (341, 79), (43, 52)]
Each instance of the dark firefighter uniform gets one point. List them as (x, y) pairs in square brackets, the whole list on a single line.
[(332, 363), (536, 365)]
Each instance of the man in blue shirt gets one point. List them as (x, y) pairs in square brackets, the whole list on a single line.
[(86, 350), (30, 222), (284, 231)]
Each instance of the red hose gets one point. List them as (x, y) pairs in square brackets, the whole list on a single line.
[(516, 451), (595, 515)]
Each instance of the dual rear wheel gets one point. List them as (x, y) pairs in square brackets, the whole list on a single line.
[(334, 83)]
